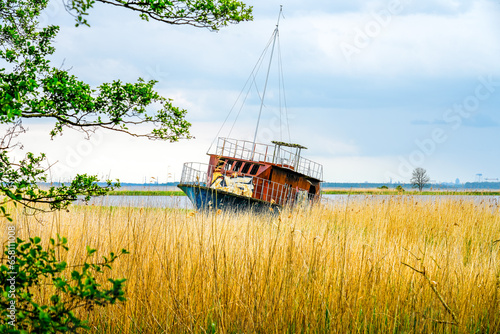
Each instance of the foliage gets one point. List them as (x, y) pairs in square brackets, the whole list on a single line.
[(211, 14), (30, 87), (34, 89), (419, 178), (19, 182), (35, 266)]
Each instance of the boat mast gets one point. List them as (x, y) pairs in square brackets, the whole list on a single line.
[(275, 35)]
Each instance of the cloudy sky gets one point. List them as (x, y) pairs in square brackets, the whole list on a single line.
[(373, 88)]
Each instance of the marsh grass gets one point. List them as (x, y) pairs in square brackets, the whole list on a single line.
[(366, 266), (409, 192)]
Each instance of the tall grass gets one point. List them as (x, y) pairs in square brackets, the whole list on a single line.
[(369, 266), (409, 192)]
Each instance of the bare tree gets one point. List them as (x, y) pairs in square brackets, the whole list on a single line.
[(419, 178)]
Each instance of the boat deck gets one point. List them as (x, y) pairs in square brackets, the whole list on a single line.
[(279, 155)]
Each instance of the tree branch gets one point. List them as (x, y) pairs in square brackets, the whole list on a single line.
[(433, 284)]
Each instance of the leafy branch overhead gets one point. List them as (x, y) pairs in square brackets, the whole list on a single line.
[(20, 179), (211, 14), (31, 88), (115, 106), (34, 89)]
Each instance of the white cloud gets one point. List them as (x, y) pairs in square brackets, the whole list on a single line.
[(358, 168), (418, 44)]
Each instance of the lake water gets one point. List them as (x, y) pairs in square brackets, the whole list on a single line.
[(183, 202), (179, 202)]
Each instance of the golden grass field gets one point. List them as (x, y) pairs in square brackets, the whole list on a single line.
[(393, 265)]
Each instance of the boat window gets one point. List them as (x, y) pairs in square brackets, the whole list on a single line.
[(228, 165), (246, 168), (254, 170), (220, 163), (237, 166)]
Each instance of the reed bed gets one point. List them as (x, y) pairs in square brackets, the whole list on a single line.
[(410, 192), (393, 265)]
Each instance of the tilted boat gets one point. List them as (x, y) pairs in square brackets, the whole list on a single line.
[(246, 175), (242, 175)]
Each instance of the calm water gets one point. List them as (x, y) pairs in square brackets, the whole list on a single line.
[(181, 202), (184, 203)]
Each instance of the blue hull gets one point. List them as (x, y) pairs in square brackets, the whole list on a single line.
[(204, 198)]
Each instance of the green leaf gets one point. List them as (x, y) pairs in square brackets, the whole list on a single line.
[(90, 251)]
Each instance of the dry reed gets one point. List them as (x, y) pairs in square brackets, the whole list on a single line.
[(395, 265)]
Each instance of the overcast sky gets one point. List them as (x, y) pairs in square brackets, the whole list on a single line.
[(373, 88)]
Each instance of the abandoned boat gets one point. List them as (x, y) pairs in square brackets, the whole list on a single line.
[(243, 174)]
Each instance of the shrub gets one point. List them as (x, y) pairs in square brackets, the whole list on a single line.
[(27, 265)]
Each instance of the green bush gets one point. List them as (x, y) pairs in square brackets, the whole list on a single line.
[(27, 266)]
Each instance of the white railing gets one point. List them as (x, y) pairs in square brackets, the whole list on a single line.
[(200, 174), (196, 173), (280, 155)]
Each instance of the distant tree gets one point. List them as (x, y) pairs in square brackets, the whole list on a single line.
[(419, 178)]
